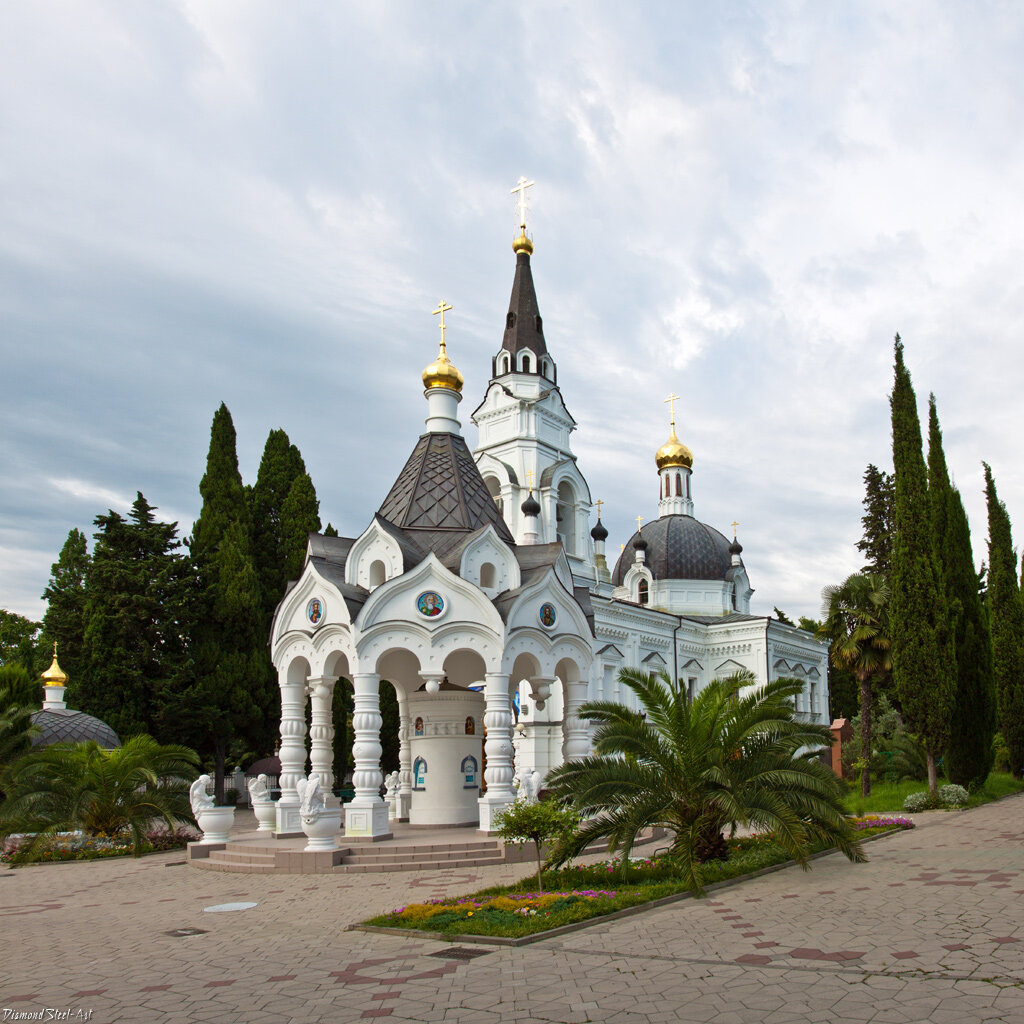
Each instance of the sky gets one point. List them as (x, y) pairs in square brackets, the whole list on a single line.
[(260, 203)]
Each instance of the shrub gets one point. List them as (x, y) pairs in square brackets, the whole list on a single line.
[(923, 801), (953, 795), (1000, 753)]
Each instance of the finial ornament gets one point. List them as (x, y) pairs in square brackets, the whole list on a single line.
[(442, 373), (599, 503), (639, 520), (442, 308), (734, 525), (529, 479), (522, 243), (673, 453), (672, 399)]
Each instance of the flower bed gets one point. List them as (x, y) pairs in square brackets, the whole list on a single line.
[(881, 823), (66, 846)]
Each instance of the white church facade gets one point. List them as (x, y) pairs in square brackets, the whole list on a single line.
[(481, 592)]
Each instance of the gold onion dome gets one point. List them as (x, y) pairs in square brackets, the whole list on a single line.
[(442, 373), (522, 244), (55, 675), (673, 453)]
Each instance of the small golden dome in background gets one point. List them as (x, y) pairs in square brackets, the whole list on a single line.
[(522, 244), (55, 675), (442, 373), (674, 453)]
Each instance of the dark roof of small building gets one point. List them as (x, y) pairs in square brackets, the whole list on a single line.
[(440, 495), (65, 725), (678, 548)]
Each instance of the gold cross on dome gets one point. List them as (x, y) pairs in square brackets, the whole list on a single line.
[(599, 504), (442, 308), (521, 186), (672, 399), (639, 520), (529, 479), (734, 524)]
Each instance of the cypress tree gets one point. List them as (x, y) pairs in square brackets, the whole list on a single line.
[(280, 466), (230, 700), (65, 596), (299, 518), (922, 654), (1006, 619), (876, 542), (972, 724)]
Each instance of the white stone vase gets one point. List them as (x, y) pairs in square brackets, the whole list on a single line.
[(266, 814), (215, 823), (322, 830)]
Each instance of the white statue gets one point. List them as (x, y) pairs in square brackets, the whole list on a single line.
[(529, 786), (199, 795), (391, 784), (312, 802), (259, 791)]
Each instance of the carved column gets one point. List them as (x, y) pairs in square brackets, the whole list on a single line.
[(292, 753), (404, 759), (498, 747), (575, 732), (321, 735), (367, 814)]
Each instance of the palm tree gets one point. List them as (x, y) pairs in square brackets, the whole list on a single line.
[(16, 728), (857, 623), (734, 755), (70, 786)]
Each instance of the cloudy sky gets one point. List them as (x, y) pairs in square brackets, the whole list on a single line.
[(262, 202)]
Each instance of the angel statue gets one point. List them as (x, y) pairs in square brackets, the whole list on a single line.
[(312, 802), (199, 795), (259, 790)]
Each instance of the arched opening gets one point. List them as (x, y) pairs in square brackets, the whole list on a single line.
[(488, 576), (378, 574), (527, 365), (565, 517), (465, 668), (679, 485), (643, 592), (494, 490), (505, 364)]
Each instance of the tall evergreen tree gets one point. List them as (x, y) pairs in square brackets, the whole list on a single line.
[(876, 542), (137, 613), (972, 723), (280, 466), (922, 649), (1006, 619), (19, 640), (65, 597), (230, 699), (300, 516)]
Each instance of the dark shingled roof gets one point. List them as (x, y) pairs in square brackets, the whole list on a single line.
[(63, 725), (440, 495), (523, 326), (678, 548)]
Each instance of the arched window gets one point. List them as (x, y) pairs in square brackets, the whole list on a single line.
[(469, 770), (565, 517), (527, 365), (378, 574), (644, 592), (510, 320), (494, 490), (419, 774), (487, 576), (679, 485), (505, 363)]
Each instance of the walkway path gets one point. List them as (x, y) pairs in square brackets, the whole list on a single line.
[(931, 929)]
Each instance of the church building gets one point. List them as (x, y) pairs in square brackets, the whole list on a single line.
[(481, 592)]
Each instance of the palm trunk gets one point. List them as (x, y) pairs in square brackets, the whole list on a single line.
[(865, 733), (933, 774), (218, 779)]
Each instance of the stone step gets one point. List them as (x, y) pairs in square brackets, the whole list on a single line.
[(206, 864), (230, 856), (387, 857), (418, 865)]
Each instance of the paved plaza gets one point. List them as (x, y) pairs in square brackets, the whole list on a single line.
[(931, 929)]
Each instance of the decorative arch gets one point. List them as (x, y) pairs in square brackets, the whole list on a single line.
[(375, 545)]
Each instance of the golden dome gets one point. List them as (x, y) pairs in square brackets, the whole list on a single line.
[(673, 453), (522, 244), (55, 675), (442, 373)]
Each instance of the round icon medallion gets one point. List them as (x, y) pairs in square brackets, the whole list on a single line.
[(315, 611), (430, 604), (547, 615)]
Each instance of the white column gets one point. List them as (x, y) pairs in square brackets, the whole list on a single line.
[(404, 759), (498, 748), (367, 814), (292, 753), (321, 735), (575, 732)]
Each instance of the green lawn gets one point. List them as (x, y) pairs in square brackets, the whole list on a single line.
[(889, 796)]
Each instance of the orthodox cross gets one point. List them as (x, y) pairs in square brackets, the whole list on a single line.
[(442, 308), (734, 524), (599, 504), (521, 186), (639, 520), (672, 399), (529, 479)]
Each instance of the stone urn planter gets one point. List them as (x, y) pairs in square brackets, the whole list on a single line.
[(322, 830), (215, 823), (266, 815)]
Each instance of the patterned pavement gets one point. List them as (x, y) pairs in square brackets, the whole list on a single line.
[(931, 929)]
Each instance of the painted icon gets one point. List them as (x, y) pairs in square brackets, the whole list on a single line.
[(419, 726), (470, 725), (419, 774), (430, 604), (315, 611), (469, 768), (547, 615)]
